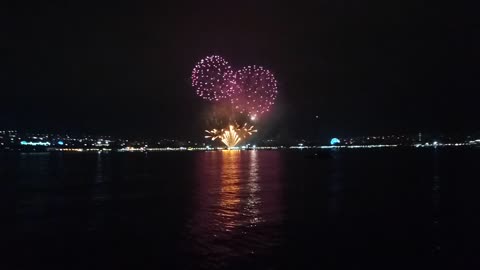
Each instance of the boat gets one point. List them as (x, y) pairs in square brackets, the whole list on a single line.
[(320, 155)]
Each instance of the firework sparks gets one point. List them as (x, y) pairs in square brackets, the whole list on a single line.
[(257, 91), (245, 94), (213, 78), (231, 136)]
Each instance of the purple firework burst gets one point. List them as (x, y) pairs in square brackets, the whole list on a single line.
[(256, 91), (213, 78)]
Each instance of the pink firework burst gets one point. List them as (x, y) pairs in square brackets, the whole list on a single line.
[(257, 91), (213, 78)]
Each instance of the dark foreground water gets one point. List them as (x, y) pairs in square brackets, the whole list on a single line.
[(363, 209)]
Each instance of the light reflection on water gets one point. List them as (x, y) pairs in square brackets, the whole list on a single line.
[(229, 204), (215, 210), (253, 200), (237, 192)]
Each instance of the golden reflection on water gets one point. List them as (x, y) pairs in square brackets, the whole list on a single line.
[(229, 188), (239, 189), (237, 197), (237, 205), (236, 192)]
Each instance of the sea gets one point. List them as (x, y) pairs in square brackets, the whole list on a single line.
[(396, 208)]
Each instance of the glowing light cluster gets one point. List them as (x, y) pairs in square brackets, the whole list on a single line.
[(232, 135), (213, 78), (257, 91), (334, 141), (35, 143)]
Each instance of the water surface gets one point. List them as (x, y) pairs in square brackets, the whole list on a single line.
[(382, 208)]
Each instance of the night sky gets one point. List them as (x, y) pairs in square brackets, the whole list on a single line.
[(362, 67)]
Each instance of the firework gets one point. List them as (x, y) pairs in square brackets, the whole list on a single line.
[(257, 91), (239, 96), (232, 135), (213, 78)]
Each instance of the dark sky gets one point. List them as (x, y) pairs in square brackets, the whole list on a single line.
[(364, 67)]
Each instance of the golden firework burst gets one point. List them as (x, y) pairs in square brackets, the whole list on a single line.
[(232, 135)]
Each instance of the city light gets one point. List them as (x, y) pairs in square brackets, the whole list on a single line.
[(334, 141), (231, 137), (35, 143)]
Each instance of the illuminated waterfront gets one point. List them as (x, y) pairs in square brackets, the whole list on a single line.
[(14, 141)]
